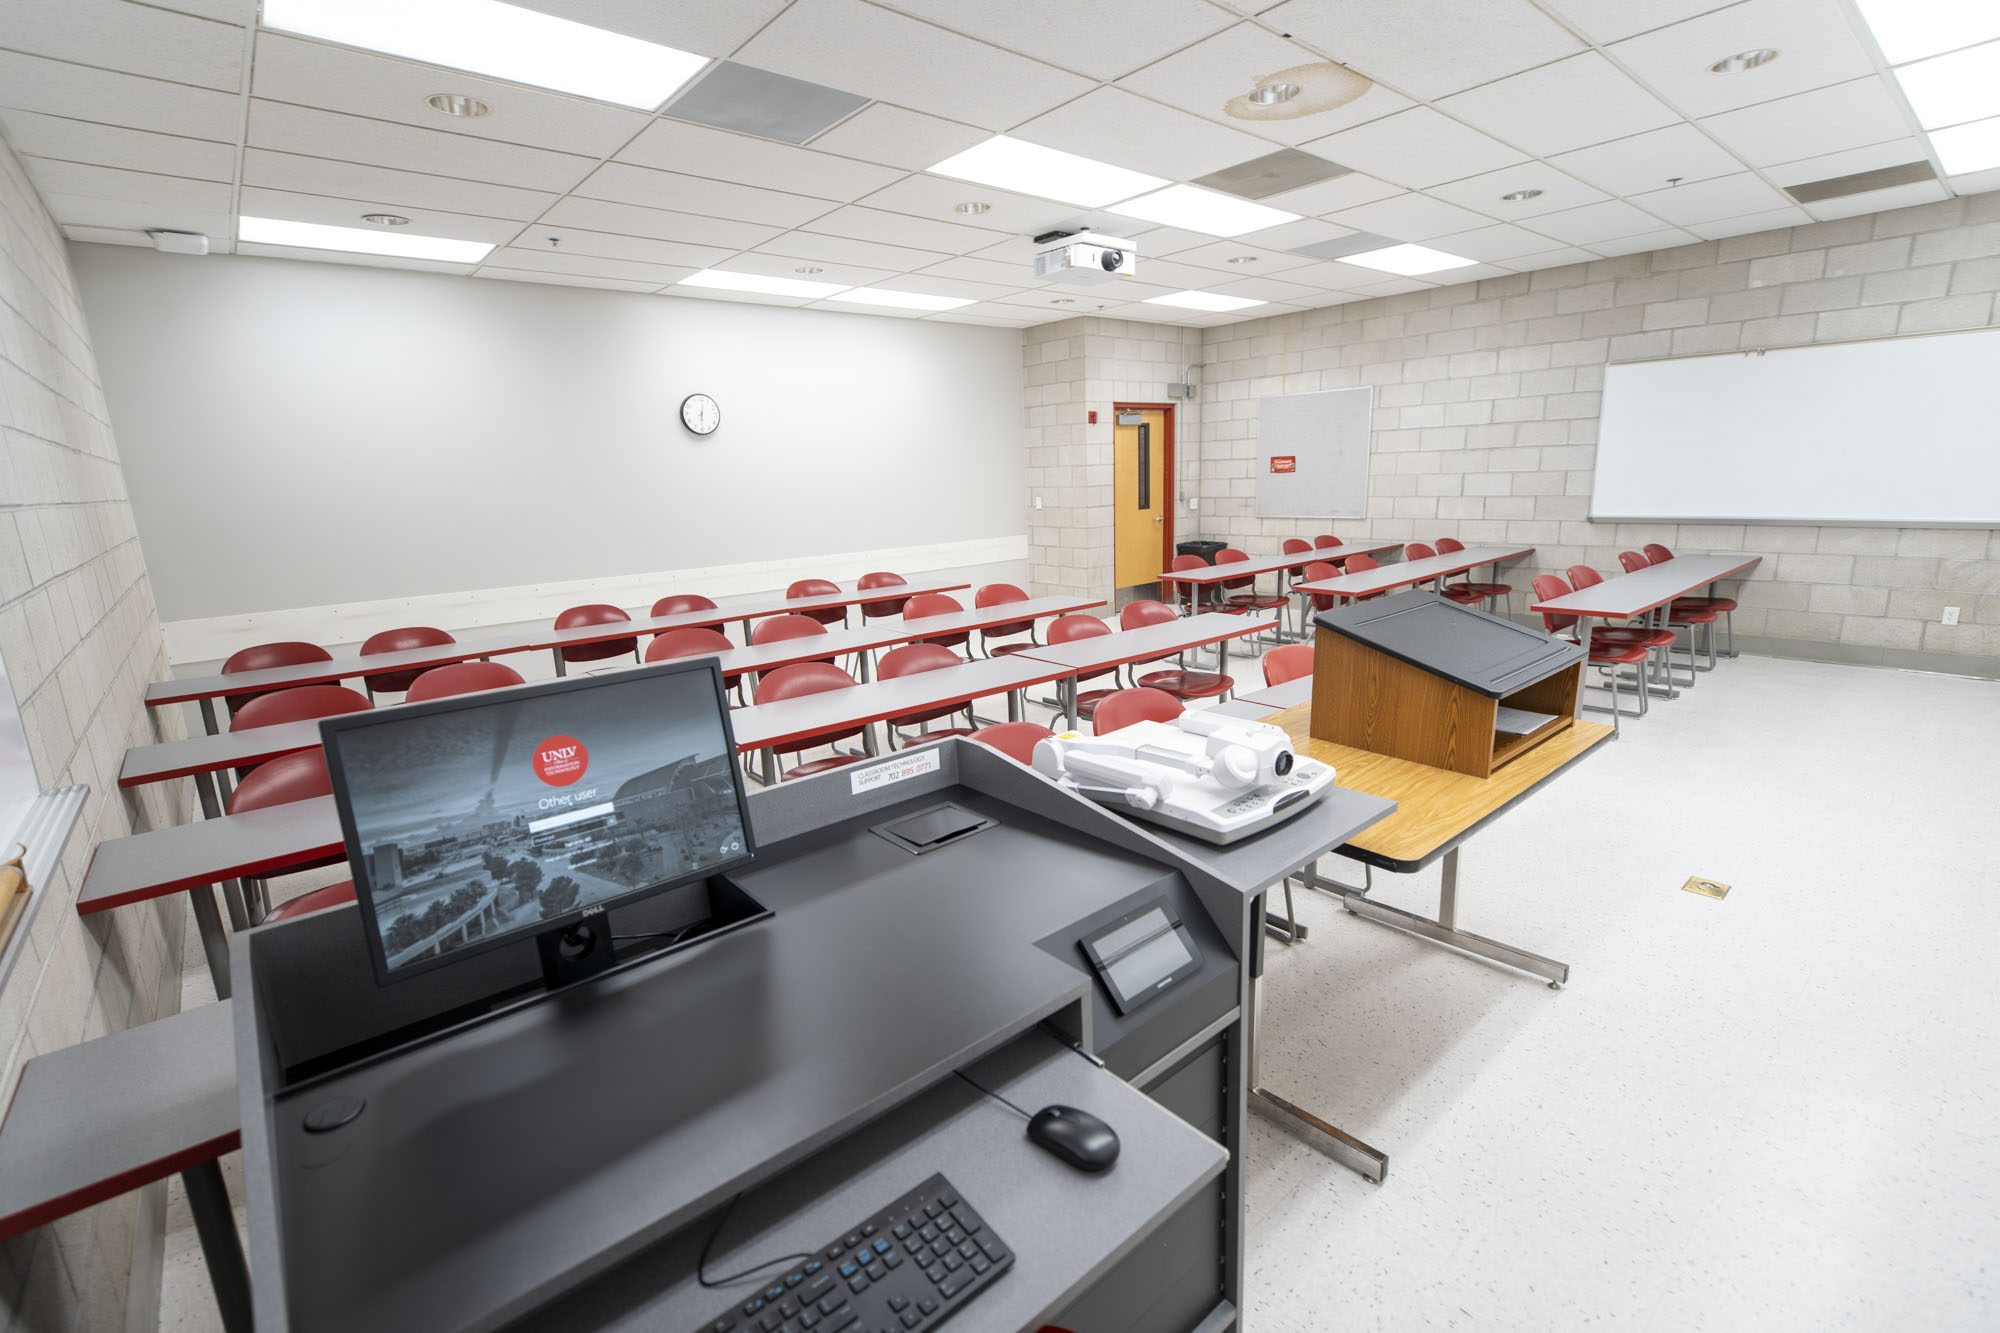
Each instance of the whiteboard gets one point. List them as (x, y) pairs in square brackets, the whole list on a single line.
[(1312, 454), (1902, 431)]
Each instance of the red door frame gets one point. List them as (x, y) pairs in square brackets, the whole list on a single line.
[(1167, 466)]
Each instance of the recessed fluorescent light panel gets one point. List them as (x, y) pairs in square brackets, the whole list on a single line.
[(1913, 29), (1963, 148), (1046, 173), (1407, 260), (1952, 89), (905, 300), (504, 41), (1192, 208), (723, 280), (1213, 301), (354, 240)]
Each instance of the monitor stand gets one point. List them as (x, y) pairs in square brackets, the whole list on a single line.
[(576, 953)]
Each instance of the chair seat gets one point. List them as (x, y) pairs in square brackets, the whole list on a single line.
[(1483, 589), (1615, 654), (1463, 595), (1678, 616), (943, 640), (1704, 603), (1622, 634), (1008, 648), (1189, 684), (825, 765), (333, 895), (1250, 601)]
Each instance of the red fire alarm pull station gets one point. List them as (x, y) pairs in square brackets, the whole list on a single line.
[(1284, 463), (1093, 418)]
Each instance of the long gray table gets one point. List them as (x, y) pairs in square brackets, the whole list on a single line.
[(1368, 582), (1213, 577), (1648, 593), (1146, 644)]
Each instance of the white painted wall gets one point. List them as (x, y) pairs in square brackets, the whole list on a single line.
[(301, 435)]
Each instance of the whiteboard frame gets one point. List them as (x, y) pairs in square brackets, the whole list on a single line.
[(1734, 520)]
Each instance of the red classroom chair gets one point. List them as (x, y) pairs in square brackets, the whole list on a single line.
[(1288, 663), (1068, 629), (1016, 740), (333, 895), (776, 629), (596, 613), (890, 606), (690, 642), (680, 603), (1326, 542), (1605, 653), (462, 678), (1124, 707), (909, 660), (999, 594), (797, 681), (927, 604), (1583, 576), (298, 704), (1180, 682), (1468, 591), (289, 777), (1361, 564), (830, 615), (1243, 603), (1187, 596), (262, 656), (396, 640), (1659, 554)]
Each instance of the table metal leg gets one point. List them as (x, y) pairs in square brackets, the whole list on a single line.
[(208, 716), (1015, 699), (1444, 929), (214, 941), (215, 1225)]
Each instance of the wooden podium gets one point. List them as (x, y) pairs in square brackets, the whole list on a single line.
[(1424, 679)]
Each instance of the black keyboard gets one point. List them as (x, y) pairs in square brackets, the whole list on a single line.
[(912, 1265)]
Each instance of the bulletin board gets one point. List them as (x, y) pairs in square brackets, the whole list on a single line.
[(1312, 454)]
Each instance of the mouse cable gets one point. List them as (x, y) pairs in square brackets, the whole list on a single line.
[(701, 1265), (994, 1095)]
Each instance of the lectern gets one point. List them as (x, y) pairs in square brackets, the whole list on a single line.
[(1424, 679)]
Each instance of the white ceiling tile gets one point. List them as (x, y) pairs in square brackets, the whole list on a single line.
[(626, 184), (709, 30), (1325, 275), (1349, 191), (1665, 238), (35, 135), (1411, 217), (1712, 200), (986, 314), (937, 198), (1395, 287), (1429, 48), (1976, 182), (544, 261), (394, 191), (873, 224), (563, 279), (842, 250), (58, 89), (296, 129), (602, 215), (343, 257), (1648, 161), (675, 145), (1138, 32), (361, 83), (240, 12), (984, 270), (1416, 149), (902, 60), (1205, 76), (1879, 201), (1269, 289), (784, 266), (1134, 132), (108, 236), (1816, 46), (260, 203), (1570, 104), (576, 241), (899, 138), (1497, 244), (1754, 222), (1595, 222), (137, 39), (1830, 165), (834, 303), (1828, 120), (738, 298), (1610, 20), (1292, 235), (1484, 193), (1176, 275), (1567, 254), (81, 180), (174, 204), (1217, 254), (1158, 241)]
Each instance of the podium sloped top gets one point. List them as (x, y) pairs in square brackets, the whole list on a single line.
[(1466, 647)]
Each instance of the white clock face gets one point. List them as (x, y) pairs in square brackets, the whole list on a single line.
[(700, 414)]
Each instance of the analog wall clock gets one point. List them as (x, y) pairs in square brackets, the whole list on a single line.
[(700, 414)]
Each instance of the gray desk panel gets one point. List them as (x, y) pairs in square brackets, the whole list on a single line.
[(185, 856)]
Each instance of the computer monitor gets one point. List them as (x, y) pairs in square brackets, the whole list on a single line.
[(474, 821)]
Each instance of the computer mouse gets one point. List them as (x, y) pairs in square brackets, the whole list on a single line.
[(1078, 1137)]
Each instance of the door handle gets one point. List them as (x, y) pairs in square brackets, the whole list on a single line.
[(1159, 518)]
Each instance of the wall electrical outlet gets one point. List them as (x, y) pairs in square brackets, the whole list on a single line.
[(1950, 616), (1194, 502), (1038, 502)]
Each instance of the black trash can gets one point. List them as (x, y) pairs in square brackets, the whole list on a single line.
[(1205, 549)]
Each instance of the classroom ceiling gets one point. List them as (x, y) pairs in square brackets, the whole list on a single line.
[(184, 115)]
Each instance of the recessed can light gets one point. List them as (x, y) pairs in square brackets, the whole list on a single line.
[(1242, 259), (1743, 60), (1271, 94), (456, 104), (385, 219), (1520, 196), (808, 268), (972, 208)]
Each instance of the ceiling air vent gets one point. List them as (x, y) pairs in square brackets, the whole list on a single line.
[(1839, 187), (1273, 173), (756, 101)]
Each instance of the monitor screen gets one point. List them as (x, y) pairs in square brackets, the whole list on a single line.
[(476, 820)]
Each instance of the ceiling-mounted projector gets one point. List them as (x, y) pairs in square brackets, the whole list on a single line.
[(1083, 256)]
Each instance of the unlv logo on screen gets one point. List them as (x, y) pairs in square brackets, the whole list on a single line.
[(560, 760)]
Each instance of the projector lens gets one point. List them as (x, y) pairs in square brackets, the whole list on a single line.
[(1283, 763), (1112, 260)]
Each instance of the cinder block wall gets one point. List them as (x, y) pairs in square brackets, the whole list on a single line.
[(1487, 411), (81, 641)]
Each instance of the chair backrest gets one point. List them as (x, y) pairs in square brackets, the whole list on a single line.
[(259, 656), (1633, 561), (1229, 555), (999, 594), (1315, 571), (882, 579), (1288, 663), (1583, 576), (297, 704), (596, 613), (462, 678), (394, 641), (1547, 588), (800, 679), (690, 642), (1656, 552), (772, 629), (818, 588), (1418, 551), (930, 604), (912, 658), (332, 895), (1325, 541), (1358, 563), (1183, 563), (1146, 612), (1068, 629), (1296, 546), (1016, 740), (1122, 708), (680, 603), (1447, 545), (280, 781)]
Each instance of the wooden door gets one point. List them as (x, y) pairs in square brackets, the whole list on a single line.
[(1142, 494)]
